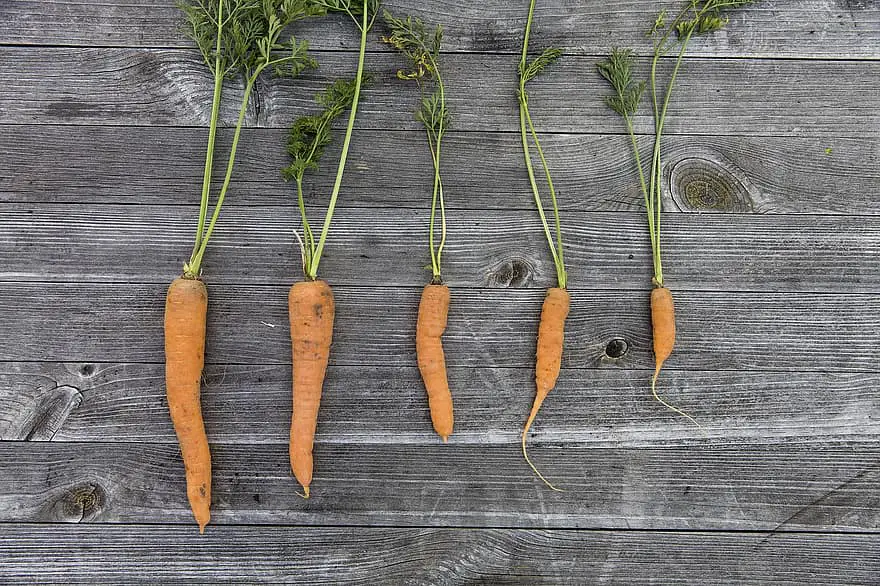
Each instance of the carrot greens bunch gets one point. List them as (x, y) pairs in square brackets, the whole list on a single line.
[(696, 18)]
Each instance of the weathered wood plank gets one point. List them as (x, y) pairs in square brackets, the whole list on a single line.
[(442, 556), (251, 404), (827, 488), (254, 245), (767, 175), (494, 328), (172, 88), (826, 28)]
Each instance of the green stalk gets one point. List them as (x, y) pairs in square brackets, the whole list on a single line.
[(212, 135), (544, 164), (437, 194), (525, 120), (308, 237), (656, 168), (337, 185), (196, 260)]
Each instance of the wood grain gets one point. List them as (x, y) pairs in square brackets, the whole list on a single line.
[(161, 87), (763, 488), (766, 175), (835, 29), (443, 556), (487, 327), (250, 404), (255, 245)]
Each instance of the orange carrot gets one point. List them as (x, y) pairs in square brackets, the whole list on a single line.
[(311, 332), (433, 311), (186, 308), (663, 321), (551, 335)]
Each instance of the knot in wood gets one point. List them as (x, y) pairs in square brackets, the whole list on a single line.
[(80, 503), (514, 272), (702, 185), (616, 348)]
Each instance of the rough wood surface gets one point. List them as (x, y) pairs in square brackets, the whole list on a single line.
[(772, 187), (122, 243), (445, 557), (89, 402), (162, 87), (487, 327), (839, 29), (764, 175), (831, 487)]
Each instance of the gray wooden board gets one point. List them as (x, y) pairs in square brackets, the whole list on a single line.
[(487, 327), (767, 175), (441, 556), (831, 487), (813, 28), (773, 131), (162, 87), (88, 402), (485, 249)]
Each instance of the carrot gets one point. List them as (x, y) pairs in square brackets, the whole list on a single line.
[(186, 308), (421, 46), (663, 321), (551, 336), (433, 311), (551, 330), (311, 332), (311, 302)]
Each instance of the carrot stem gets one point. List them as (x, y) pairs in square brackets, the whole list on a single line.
[(364, 27)]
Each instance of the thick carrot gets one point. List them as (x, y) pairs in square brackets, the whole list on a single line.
[(186, 307), (311, 332), (551, 335), (433, 311)]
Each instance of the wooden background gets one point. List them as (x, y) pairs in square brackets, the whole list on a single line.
[(771, 244)]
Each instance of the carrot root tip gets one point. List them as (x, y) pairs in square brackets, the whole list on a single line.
[(304, 493), (667, 405), (533, 467)]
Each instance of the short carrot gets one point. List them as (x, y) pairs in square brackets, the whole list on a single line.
[(421, 46), (697, 17), (311, 332), (186, 308), (433, 312), (551, 329)]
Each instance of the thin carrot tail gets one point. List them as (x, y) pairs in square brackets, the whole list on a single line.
[(538, 401), (661, 401)]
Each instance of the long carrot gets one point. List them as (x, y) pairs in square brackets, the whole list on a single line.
[(551, 337), (433, 312), (311, 332), (311, 302), (186, 307)]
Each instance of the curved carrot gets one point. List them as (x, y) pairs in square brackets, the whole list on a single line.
[(311, 332), (433, 311), (551, 335), (186, 307)]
